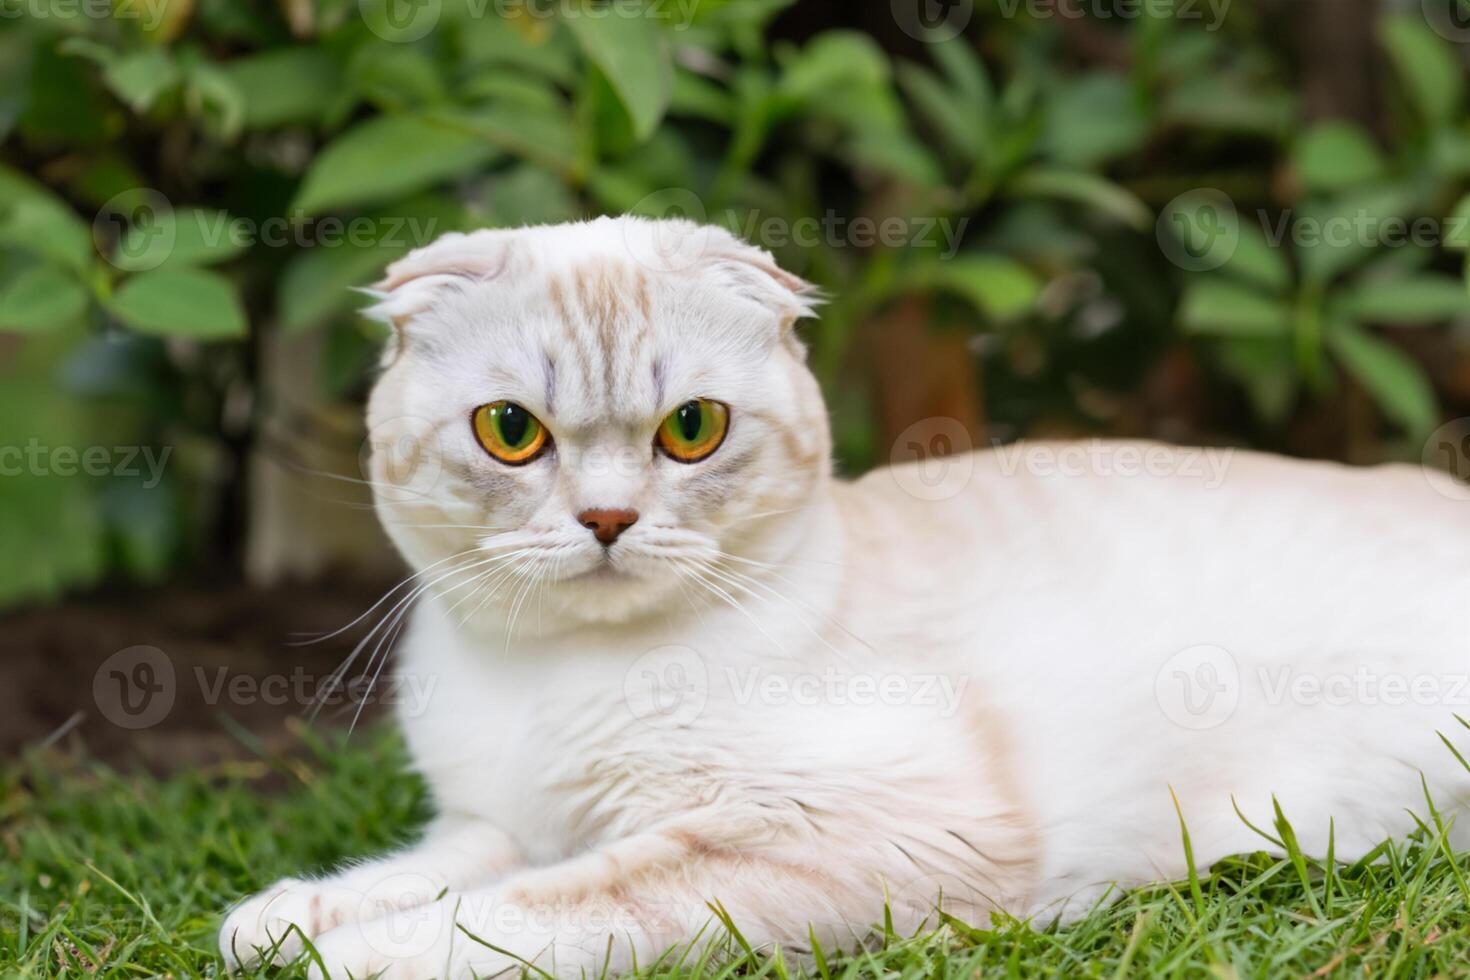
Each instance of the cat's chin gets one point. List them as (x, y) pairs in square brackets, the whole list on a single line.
[(611, 592)]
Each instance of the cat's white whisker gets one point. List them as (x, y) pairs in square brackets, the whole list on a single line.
[(795, 603), (318, 638), (748, 585), (489, 589), (500, 561), (699, 571), (398, 610)]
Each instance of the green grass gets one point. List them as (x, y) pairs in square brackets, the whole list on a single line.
[(124, 876)]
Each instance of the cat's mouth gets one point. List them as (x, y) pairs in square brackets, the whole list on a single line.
[(621, 566), (614, 564), (603, 571)]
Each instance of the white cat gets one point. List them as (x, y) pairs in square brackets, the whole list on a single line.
[(678, 664)]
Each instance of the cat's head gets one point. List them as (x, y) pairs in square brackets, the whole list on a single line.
[(584, 417)]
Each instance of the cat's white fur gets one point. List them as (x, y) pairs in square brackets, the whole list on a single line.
[(800, 698)]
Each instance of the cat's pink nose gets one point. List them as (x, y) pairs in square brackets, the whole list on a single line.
[(607, 524)]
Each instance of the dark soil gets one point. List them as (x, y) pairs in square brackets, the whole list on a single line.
[(183, 676)]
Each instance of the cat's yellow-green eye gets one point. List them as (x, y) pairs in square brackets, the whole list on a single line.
[(694, 430), (509, 432)]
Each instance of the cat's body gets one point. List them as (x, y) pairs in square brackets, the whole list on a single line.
[(985, 686)]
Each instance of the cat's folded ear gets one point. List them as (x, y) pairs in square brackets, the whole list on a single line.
[(753, 273), (408, 286)]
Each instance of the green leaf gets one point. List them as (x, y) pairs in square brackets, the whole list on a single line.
[(92, 50), (511, 88), (287, 85), (548, 53), (1092, 119), (66, 107), (1449, 151), (896, 152), (40, 298), (182, 236), (999, 287), (700, 98), (180, 303), (396, 77), (1409, 301), (212, 97), (1396, 382), (966, 73), (1263, 365), (1426, 66), (632, 53), (544, 138), (1257, 260), (1335, 155), (1216, 306), (1457, 227), (1211, 103), (853, 64), (527, 195), (44, 225), (1084, 188), (833, 62), (140, 78), (386, 158), (1209, 233), (956, 122), (1336, 235)]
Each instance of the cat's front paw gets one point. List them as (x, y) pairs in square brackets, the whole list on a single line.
[(405, 944), (272, 924)]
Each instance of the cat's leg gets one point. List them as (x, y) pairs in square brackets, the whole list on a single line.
[(597, 925), (455, 853)]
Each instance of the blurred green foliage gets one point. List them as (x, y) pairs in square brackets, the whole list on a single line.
[(180, 179)]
